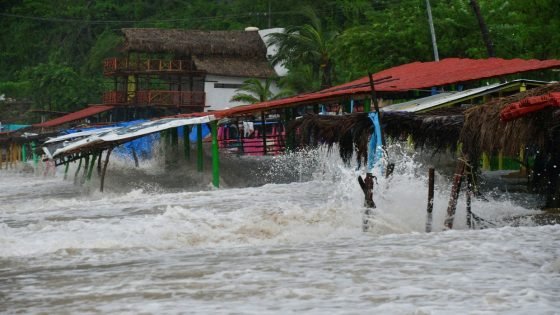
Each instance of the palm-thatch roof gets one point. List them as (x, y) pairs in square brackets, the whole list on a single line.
[(352, 132), (483, 130), (231, 53)]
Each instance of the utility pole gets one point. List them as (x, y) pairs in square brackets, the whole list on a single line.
[(432, 30)]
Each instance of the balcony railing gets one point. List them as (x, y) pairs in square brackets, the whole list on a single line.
[(112, 65), (156, 98)]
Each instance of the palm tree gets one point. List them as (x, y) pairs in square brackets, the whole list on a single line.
[(254, 91), (483, 29), (306, 44)]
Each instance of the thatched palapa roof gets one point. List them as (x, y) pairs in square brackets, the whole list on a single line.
[(478, 129), (483, 131), (230, 53)]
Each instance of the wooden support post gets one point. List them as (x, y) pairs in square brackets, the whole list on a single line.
[(315, 109), (99, 163), (77, 171), (263, 120), (367, 189), (485, 162), (90, 170), (500, 160), (66, 167), (455, 190), (199, 153), (367, 106), (468, 194), (1, 157), (135, 157), (241, 139), (34, 154), (289, 144), (187, 143), (9, 155), (215, 155), (175, 139), (431, 175), (86, 168), (105, 169), (24, 152)]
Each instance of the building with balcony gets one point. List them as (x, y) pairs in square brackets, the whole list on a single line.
[(170, 71)]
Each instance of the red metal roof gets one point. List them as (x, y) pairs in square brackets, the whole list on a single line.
[(420, 75), (81, 114), (416, 75)]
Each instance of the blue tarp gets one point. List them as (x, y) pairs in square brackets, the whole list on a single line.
[(193, 136), (11, 127), (143, 146)]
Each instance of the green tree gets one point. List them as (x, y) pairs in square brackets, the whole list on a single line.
[(306, 44), (254, 91), (56, 87)]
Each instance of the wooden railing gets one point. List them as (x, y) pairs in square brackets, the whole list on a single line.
[(112, 65), (156, 98)]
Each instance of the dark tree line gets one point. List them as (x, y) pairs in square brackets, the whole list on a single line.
[(51, 51)]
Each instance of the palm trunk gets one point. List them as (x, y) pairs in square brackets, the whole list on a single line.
[(326, 75), (483, 29)]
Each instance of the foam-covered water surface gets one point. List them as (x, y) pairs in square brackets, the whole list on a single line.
[(278, 248)]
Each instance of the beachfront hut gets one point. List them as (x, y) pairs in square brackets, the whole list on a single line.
[(184, 70)]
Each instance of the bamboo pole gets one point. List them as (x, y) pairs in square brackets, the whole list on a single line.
[(105, 169), (431, 175)]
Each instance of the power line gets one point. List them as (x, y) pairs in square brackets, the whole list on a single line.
[(69, 20)]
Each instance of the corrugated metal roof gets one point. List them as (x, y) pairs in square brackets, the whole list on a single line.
[(417, 75), (81, 114), (451, 97)]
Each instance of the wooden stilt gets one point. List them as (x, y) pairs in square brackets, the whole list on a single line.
[(135, 156), (263, 120), (90, 169), (187, 143), (86, 168), (99, 163), (199, 154), (468, 195), (367, 188), (215, 155), (77, 171), (431, 175), (67, 165), (455, 190), (105, 169)]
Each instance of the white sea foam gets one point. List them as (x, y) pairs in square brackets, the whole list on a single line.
[(279, 248)]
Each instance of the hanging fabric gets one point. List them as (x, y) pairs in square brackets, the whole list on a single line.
[(375, 150)]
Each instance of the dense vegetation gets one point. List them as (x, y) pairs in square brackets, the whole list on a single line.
[(51, 51)]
